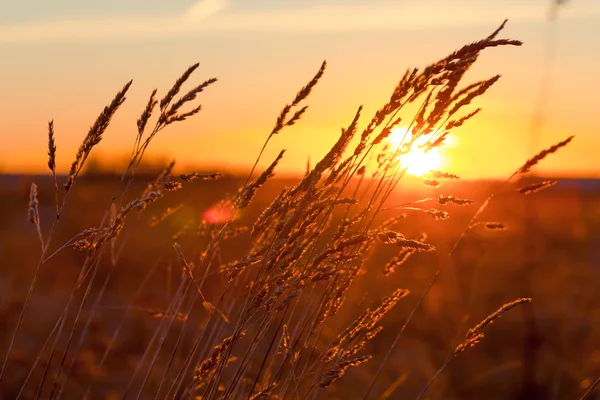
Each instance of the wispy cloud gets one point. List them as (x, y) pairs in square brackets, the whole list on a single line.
[(114, 27), (203, 9), (215, 15)]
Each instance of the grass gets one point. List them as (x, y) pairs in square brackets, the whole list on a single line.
[(260, 301)]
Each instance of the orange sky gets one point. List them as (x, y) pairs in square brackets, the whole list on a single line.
[(67, 61)]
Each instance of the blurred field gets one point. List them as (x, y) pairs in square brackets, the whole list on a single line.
[(551, 252)]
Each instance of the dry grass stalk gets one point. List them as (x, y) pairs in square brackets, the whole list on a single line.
[(171, 115), (265, 393), (401, 258), (285, 339), (414, 245), (249, 191), (296, 117), (157, 184), (456, 123), (442, 175), (431, 182), (211, 362), (147, 113), (362, 329), (536, 187), (171, 186), (165, 101), (179, 316), (494, 226), (95, 133), (453, 200), (194, 176), (166, 214), (81, 244), (475, 334), (340, 369), (543, 154), (52, 161), (51, 148), (188, 271), (590, 389), (300, 96), (281, 119), (470, 92), (392, 221), (33, 211), (438, 214)]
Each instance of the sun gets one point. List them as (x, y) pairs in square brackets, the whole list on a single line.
[(417, 161)]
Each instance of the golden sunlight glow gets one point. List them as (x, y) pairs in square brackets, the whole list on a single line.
[(417, 161)]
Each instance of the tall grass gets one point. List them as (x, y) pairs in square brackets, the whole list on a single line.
[(254, 327)]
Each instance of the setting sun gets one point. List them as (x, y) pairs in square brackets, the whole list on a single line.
[(417, 161)]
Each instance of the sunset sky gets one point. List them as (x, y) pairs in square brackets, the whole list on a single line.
[(65, 60)]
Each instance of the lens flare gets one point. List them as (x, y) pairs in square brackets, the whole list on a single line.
[(219, 213), (417, 161)]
